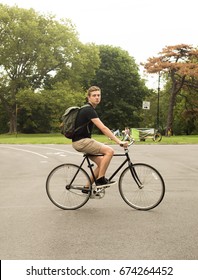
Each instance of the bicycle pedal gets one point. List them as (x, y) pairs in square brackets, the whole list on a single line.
[(100, 189), (98, 194)]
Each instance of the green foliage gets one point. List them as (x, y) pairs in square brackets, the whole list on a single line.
[(80, 70), (41, 111), (122, 88), (4, 121), (60, 139), (32, 46), (37, 52), (44, 69), (179, 64)]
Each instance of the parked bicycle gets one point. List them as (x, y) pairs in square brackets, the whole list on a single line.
[(123, 136), (148, 133), (140, 185), (117, 133)]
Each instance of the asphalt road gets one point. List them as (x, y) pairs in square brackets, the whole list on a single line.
[(33, 228)]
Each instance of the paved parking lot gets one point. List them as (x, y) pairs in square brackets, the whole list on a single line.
[(33, 228)]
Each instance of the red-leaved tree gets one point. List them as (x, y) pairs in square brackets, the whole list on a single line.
[(180, 64)]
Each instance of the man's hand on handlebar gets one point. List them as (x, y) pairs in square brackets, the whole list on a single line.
[(124, 144)]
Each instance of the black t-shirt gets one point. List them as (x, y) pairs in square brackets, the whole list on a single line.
[(84, 117)]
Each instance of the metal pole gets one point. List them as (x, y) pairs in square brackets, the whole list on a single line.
[(158, 95), (16, 118)]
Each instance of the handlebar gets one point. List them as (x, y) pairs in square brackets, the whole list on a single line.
[(132, 141)]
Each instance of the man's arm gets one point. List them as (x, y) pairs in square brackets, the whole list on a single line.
[(106, 131)]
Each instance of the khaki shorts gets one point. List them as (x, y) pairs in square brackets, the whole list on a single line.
[(87, 146)]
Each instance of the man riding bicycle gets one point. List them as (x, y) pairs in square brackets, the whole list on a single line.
[(82, 141)]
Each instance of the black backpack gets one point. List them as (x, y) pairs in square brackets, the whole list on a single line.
[(67, 126)]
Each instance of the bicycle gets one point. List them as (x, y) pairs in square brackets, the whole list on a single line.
[(126, 137), (121, 135), (140, 185), (117, 133), (157, 136), (153, 134)]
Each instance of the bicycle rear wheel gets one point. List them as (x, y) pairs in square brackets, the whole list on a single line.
[(146, 196), (157, 137), (61, 192)]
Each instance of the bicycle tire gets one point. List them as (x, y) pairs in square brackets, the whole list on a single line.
[(58, 180), (157, 137), (149, 195)]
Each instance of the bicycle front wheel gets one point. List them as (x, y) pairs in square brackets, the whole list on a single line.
[(64, 186), (141, 186), (157, 137)]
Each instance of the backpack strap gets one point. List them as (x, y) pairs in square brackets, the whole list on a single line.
[(81, 126)]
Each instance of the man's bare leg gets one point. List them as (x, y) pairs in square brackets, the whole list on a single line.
[(108, 153), (102, 163)]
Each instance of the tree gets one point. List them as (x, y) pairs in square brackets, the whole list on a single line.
[(122, 88), (179, 64), (187, 109), (80, 71), (33, 50), (40, 112)]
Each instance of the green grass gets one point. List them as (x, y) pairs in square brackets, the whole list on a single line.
[(59, 139)]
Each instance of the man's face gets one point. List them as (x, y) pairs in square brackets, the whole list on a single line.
[(94, 98)]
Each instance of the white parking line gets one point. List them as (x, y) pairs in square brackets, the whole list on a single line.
[(31, 152), (59, 153), (50, 148)]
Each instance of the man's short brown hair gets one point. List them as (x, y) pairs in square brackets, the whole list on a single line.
[(92, 88)]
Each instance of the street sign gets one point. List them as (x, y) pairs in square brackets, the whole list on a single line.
[(146, 105)]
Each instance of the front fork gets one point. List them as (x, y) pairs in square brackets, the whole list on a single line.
[(135, 176)]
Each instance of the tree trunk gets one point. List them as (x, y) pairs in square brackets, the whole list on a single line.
[(11, 112), (13, 123), (176, 87), (172, 101)]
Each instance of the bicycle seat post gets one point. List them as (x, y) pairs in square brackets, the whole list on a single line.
[(90, 166)]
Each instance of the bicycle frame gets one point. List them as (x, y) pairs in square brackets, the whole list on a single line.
[(140, 185), (133, 172)]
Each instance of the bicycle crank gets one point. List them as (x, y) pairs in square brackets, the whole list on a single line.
[(98, 193)]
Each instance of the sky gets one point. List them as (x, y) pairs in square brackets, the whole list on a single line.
[(141, 27)]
